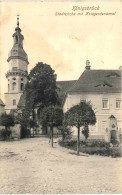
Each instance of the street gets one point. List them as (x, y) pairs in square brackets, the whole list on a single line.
[(32, 166)]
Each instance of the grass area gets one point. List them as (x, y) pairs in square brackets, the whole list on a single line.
[(94, 147)]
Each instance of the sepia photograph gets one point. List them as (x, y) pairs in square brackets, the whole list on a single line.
[(61, 97)]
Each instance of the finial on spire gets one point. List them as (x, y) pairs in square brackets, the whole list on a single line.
[(18, 20)]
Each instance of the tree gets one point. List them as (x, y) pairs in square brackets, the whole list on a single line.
[(41, 89), (65, 130), (6, 120), (85, 131), (51, 116), (24, 120), (80, 115)]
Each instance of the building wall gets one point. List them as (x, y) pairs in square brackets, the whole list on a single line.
[(2, 109), (20, 64), (102, 115), (9, 97)]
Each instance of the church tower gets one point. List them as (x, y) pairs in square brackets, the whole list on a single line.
[(18, 71)]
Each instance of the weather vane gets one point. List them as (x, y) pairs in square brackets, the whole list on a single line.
[(18, 20)]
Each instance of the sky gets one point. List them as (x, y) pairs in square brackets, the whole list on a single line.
[(64, 42)]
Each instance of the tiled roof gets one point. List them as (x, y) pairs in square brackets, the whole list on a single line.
[(21, 103), (1, 103), (99, 81), (63, 86)]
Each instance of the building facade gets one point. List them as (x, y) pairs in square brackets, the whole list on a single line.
[(18, 70), (103, 89)]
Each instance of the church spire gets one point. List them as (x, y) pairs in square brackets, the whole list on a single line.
[(17, 50), (17, 29)]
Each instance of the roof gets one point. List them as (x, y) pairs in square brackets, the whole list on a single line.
[(21, 101), (63, 86), (1, 103), (99, 81)]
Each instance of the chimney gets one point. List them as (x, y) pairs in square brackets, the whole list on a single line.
[(87, 65), (120, 68)]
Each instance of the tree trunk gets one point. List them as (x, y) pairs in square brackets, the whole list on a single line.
[(78, 140), (51, 128)]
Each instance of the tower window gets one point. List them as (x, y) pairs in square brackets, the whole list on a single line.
[(22, 87), (8, 87), (14, 86), (14, 102)]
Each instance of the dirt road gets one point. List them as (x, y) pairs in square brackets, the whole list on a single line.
[(32, 166)]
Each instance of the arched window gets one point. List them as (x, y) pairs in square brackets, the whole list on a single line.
[(8, 87), (14, 86), (14, 78), (22, 87), (14, 102), (16, 39)]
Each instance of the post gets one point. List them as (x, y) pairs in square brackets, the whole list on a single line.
[(78, 140), (51, 128)]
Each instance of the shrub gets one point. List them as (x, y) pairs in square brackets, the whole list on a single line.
[(96, 143), (94, 147), (5, 134)]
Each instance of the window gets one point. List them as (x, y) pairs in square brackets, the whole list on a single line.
[(21, 79), (118, 103), (14, 68), (14, 78), (14, 86), (82, 100), (105, 103), (14, 102), (8, 87), (22, 87)]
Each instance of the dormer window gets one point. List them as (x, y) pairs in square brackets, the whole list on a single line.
[(104, 84), (113, 74)]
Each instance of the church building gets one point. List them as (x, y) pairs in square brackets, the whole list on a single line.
[(101, 87), (18, 71)]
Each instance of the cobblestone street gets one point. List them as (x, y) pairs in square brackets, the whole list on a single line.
[(32, 166)]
